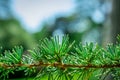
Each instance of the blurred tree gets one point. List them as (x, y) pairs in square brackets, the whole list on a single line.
[(115, 19), (111, 27)]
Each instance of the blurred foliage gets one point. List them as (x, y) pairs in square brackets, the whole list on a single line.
[(68, 25), (79, 24), (12, 34)]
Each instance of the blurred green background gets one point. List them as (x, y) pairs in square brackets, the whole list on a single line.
[(25, 22)]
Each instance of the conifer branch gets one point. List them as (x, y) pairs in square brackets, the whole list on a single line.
[(65, 60)]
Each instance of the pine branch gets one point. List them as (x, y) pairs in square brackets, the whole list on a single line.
[(65, 60)]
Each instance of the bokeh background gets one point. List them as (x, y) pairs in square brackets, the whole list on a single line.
[(25, 22)]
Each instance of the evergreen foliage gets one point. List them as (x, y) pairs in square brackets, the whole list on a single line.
[(56, 59)]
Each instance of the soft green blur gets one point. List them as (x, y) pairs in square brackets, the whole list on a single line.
[(12, 34), (79, 25)]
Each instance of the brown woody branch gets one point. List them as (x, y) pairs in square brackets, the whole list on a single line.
[(56, 64)]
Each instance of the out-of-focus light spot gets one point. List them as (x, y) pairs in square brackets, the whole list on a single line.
[(80, 27), (106, 8), (98, 16), (91, 36), (60, 33)]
